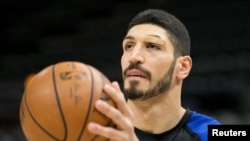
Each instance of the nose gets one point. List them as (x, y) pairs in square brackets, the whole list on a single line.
[(137, 56)]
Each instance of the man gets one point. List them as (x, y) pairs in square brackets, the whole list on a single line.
[(155, 61)]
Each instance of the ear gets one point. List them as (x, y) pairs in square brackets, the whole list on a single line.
[(184, 66)]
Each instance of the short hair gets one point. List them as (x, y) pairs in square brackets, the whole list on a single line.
[(176, 30)]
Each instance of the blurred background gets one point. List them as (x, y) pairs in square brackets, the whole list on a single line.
[(38, 33)]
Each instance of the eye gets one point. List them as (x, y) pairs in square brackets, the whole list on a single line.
[(152, 46), (128, 46)]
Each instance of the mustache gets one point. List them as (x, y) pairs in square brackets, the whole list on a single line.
[(138, 67)]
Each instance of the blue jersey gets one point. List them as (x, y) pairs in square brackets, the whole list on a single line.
[(192, 127)]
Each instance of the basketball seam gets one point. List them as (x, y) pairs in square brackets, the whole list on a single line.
[(59, 104), (90, 104), (36, 122), (110, 121)]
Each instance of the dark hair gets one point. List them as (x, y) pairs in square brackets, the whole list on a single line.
[(176, 30)]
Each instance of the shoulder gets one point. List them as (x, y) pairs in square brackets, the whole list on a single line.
[(198, 120), (198, 124)]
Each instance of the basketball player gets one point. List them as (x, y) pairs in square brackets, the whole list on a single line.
[(155, 61)]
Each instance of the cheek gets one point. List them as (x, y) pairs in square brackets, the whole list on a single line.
[(123, 62), (159, 73), (159, 70)]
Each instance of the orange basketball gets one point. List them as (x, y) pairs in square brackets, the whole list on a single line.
[(59, 102)]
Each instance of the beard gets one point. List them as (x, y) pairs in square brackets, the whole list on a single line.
[(161, 86)]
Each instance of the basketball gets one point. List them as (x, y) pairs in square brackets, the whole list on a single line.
[(59, 102)]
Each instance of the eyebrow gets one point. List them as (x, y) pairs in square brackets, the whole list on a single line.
[(160, 40), (154, 36), (131, 37), (128, 37)]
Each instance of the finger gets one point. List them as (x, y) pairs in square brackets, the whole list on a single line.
[(116, 116), (118, 98), (107, 132), (116, 85)]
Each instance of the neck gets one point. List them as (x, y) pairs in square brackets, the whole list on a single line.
[(158, 114)]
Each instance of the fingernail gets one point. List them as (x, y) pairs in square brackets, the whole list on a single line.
[(107, 86), (92, 127), (100, 104)]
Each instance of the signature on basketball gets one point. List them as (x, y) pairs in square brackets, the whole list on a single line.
[(74, 76)]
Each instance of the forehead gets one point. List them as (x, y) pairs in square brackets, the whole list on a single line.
[(142, 30)]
